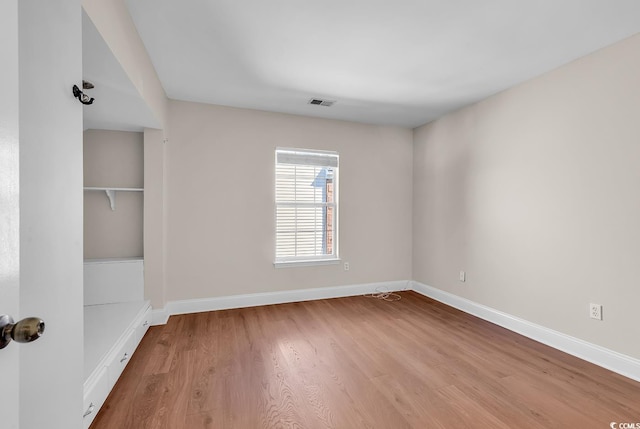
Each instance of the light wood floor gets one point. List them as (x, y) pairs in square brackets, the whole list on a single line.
[(358, 363)]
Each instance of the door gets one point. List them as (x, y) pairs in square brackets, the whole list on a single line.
[(41, 210), (9, 211)]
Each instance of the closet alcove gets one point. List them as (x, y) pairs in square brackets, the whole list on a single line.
[(116, 311)]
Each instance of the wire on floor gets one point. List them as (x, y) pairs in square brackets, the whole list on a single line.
[(383, 294)]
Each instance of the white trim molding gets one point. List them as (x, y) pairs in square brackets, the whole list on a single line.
[(306, 263), (609, 359), (161, 316)]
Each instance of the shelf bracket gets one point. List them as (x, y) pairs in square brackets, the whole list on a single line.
[(111, 194)]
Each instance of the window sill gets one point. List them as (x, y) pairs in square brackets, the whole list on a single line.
[(303, 263)]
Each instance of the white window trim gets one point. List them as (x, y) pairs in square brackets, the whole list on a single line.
[(317, 261), (306, 263)]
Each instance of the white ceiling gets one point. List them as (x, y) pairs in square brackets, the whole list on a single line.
[(118, 105), (402, 62)]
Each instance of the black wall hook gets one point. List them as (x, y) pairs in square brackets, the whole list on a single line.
[(81, 96)]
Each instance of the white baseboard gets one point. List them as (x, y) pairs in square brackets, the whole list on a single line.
[(609, 359), (161, 316)]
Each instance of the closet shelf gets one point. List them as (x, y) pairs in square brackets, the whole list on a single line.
[(111, 193), (113, 260)]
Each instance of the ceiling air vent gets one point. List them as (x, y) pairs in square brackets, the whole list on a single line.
[(321, 102)]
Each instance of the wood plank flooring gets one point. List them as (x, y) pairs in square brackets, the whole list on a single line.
[(358, 363)]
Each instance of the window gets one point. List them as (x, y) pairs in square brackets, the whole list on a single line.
[(306, 206)]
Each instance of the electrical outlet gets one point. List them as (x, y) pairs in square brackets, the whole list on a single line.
[(346, 266), (595, 311), (463, 276)]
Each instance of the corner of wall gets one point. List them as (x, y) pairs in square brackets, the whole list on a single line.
[(154, 217)]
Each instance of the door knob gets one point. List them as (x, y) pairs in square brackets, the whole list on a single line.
[(25, 331)]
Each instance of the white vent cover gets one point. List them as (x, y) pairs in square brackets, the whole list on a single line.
[(321, 102)]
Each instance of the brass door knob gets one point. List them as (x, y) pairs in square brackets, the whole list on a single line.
[(25, 331)]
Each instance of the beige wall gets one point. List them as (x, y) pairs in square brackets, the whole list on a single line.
[(113, 159), (220, 201), (535, 193)]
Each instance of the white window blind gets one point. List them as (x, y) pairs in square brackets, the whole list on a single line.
[(306, 205)]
